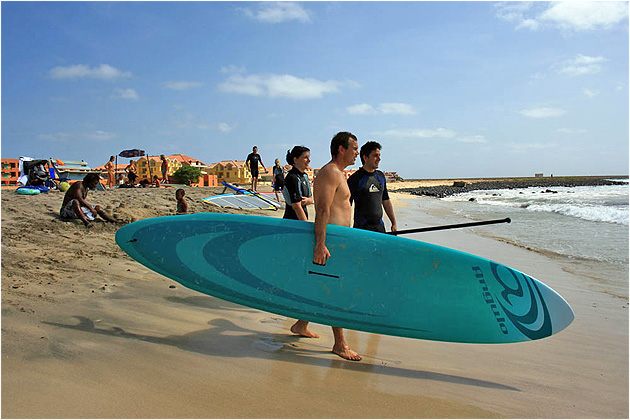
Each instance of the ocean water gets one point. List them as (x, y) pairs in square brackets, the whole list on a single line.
[(584, 227)]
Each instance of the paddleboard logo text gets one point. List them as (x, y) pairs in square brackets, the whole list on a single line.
[(487, 297), (527, 309)]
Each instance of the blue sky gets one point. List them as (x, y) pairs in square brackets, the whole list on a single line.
[(450, 89)]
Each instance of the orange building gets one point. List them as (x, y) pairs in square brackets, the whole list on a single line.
[(148, 166), (10, 171)]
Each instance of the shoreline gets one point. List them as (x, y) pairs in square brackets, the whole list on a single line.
[(445, 188), (84, 326)]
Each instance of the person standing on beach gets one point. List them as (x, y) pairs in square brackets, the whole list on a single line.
[(164, 168), (332, 206), (252, 164), (278, 178), (297, 188), (111, 172), (368, 191), (132, 173), (74, 205)]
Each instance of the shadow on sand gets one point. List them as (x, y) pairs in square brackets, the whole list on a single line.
[(249, 343)]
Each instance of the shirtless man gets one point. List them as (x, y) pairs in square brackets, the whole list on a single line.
[(332, 206), (75, 207)]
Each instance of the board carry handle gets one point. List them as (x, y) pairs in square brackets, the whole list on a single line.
[(456, 226)]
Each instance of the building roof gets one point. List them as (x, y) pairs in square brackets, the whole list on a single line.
[(237, 163), (185, 159)]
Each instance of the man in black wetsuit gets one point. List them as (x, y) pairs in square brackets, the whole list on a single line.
[(252, 164), (368, 191)]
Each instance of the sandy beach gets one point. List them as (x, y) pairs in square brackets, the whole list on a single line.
[(87, 332)]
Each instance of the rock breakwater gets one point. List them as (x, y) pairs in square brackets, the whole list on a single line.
[(441, 191)]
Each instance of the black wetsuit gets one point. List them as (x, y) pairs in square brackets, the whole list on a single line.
[(296, 187), (253, 159), (368, 191), (278, 178)]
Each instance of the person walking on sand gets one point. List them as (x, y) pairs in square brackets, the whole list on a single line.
[(368, 191), (111, 172), (252, 164), (332, 206), (278, 178), (164, 168), (74, 205)]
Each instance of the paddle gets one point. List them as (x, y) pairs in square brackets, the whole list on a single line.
[(460, 225)]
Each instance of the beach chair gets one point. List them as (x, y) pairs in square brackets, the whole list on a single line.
[(34, 172)]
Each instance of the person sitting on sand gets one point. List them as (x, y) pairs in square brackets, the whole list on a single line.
[(74, 205), (182, 205), (155, 182)]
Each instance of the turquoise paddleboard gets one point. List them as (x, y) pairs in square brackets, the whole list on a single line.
[(373, 282)]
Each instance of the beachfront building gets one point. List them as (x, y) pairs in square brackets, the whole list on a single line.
[(207, 179), (232, 171), (10, 171)]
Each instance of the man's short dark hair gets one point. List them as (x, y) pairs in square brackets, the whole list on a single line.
[(91, 177), (367, 148), (341, 139)]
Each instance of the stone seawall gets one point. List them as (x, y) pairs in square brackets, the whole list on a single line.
[(507, 183)]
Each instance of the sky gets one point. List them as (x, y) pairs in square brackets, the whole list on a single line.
[(449, 89)]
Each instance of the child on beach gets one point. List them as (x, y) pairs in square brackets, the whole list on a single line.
[(182, 205), (155, 182), (75, 207)]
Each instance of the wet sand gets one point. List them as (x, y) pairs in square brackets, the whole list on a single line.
[(89, 333)]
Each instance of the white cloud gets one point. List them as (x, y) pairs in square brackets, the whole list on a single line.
[(473, 139), (512, 11), (100, 136), (542, 112), (571, 130), (590, 93), (531, 24), (276, 12), (126, 94), (78, 71), (384, 108), (584, 15), (224, 127), (581, 65), (182, 85), (397, 108), (418, 133), (361, 109), (565, 15), (279, 85)]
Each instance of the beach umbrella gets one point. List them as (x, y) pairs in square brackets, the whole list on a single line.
[(130, 153)]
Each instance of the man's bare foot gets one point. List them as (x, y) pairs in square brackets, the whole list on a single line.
[(88, 224), (347, 353), (300, 329)]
